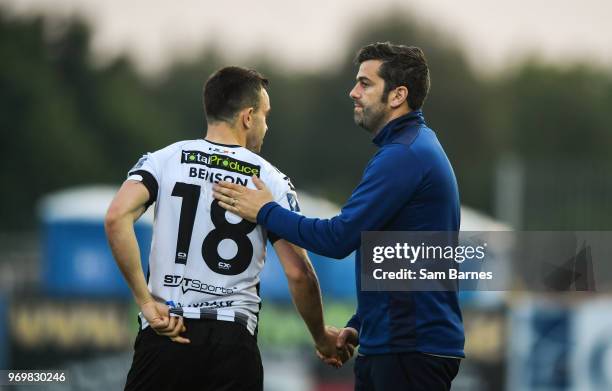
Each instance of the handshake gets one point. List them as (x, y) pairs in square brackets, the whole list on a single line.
[(335, 347)]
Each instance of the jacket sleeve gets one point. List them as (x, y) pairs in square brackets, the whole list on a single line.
[(354, 322), (389, 181)]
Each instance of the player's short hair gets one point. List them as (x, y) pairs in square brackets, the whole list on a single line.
[(231, 89), (401, 66)]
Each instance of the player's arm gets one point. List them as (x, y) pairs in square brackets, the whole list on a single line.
[(127, 206), (304, 288)]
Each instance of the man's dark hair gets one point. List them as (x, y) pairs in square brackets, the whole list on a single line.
[(401, 66), (230, 90)]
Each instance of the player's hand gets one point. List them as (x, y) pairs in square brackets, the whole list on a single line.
[(328, 351), (159, 319), (241, 200), (346, 341), (347, 336)]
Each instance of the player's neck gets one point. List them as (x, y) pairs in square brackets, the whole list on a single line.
[(223, 133)]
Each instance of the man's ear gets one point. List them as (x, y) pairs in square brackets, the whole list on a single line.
[(398, 96), (246, 116)]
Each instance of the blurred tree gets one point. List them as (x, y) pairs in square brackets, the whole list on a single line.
[(66, 121), (558, 112), (557, 120), (63, 121)]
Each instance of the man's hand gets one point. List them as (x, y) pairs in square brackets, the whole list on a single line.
[(326, 347), (331, 352), (162, 323), (346, 341), (243, 201), (347, 336)]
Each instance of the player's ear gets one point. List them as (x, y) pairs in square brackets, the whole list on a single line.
[(247, 117), (398, 96)]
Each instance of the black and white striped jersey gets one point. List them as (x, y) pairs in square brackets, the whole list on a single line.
[(205, 261)]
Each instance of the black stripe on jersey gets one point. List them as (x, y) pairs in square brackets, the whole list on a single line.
[(150, 183), (258, 310), (224, 145), (207, 313), (241, 318)]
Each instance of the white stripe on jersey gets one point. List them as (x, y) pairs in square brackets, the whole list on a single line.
[(246, 319), (203, 259)]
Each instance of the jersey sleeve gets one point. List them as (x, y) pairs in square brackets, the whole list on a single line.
[(288, 199), (285, 195), (145, 171)]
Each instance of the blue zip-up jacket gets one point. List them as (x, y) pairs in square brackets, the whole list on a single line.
[(408, 185)]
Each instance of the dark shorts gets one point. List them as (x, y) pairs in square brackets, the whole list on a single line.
[(405, 372), (222, 356)]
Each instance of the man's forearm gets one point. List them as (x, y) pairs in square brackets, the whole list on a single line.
[(307, 299), (327, 237), (123, 243)]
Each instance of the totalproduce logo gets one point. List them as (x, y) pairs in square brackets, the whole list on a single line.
[(220, 162)]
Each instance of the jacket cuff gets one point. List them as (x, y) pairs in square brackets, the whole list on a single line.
[(262, 215)]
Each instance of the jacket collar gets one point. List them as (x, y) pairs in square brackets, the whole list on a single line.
[(408, 123)]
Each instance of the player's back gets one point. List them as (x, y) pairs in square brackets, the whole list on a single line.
[(204, 260)]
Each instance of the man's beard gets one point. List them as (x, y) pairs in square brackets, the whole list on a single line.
[(371, 118)]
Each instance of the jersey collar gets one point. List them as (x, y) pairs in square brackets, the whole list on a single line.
[(223, 145)]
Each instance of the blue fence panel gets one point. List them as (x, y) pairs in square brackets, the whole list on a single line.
[(77, 259)]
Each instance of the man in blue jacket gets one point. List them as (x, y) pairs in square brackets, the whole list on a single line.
[(407, 340)]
